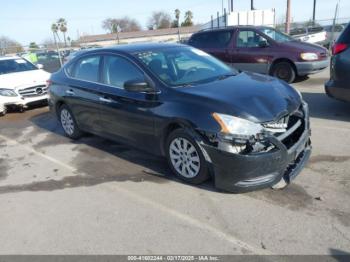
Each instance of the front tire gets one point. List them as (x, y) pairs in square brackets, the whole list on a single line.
[(185, 158), (68, 123), (284, 71)]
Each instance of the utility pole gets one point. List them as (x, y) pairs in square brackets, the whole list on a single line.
[(333, 26), (252, 5), (58, 49), (314, 14), (177, 16), (287, 29)]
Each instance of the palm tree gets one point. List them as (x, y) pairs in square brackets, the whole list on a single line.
[(62, 25), (177, 15), (54, 29)]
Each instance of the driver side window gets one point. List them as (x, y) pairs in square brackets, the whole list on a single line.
[(249, 39), (118, 70)]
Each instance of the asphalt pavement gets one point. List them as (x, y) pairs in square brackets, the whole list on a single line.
[(94, 196)]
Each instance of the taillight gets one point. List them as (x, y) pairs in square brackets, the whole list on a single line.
[(338, 48)]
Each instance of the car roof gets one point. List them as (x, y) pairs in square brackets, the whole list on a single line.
[(135, 48), (233, 28)]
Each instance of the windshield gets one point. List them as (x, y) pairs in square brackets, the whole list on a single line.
[(276, 35), (9, 66), (184, 66)]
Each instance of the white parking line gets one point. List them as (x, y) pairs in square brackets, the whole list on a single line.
[(186, 218), (194, 222)]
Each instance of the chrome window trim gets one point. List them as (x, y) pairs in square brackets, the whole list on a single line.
[(104, 84)]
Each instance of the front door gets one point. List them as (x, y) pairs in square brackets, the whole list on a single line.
[(126, 116), (252, 52)]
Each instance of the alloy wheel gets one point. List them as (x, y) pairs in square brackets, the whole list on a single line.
[(67, 122), (184, 157)]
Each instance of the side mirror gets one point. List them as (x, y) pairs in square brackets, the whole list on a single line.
[(40, 66), (138, 85), (263, 43)]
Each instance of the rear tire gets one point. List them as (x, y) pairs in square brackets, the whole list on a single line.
[(68, 123), (284, 71), (185, 157)]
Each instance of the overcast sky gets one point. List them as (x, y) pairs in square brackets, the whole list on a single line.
[(30, 20)]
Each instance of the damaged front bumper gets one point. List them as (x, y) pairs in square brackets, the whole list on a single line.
[(237, 173)]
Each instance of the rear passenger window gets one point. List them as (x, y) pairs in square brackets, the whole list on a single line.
[(218, 39), (249, 39), (118, 70), (87, 69)]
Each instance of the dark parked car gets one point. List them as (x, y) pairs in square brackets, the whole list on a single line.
[(332, 34), (247, 130), (262, 50), (338, 86), (50, 60)]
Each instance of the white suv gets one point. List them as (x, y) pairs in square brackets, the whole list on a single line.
[(21, 83)]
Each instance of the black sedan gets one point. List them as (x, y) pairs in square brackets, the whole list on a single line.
[(338, 86), (246, 130)]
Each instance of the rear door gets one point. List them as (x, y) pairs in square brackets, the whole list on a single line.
[(250, 53), (216, 43), (126, 116), (82, 92), (340, 65)]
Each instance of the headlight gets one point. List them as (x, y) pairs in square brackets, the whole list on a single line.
[(238, 127), (309, 56), (7, 92)]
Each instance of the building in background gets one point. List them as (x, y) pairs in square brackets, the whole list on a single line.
[(159, 35), (252, 17)]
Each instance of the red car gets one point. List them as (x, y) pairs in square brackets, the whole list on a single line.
[(262, 50)]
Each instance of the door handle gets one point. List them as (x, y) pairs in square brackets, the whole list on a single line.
[(70, 92), (105, 100)]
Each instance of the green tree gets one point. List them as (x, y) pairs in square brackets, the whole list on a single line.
[(188, 19), (176, 22), (9, 46), (125, 24), (159, 20), (33, 45)]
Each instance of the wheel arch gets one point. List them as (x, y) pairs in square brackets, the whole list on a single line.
[(282, 59), (170, 127), (58, 105)]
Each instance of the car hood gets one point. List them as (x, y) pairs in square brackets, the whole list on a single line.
[(23, 79), (251, 96), (304, 47)]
